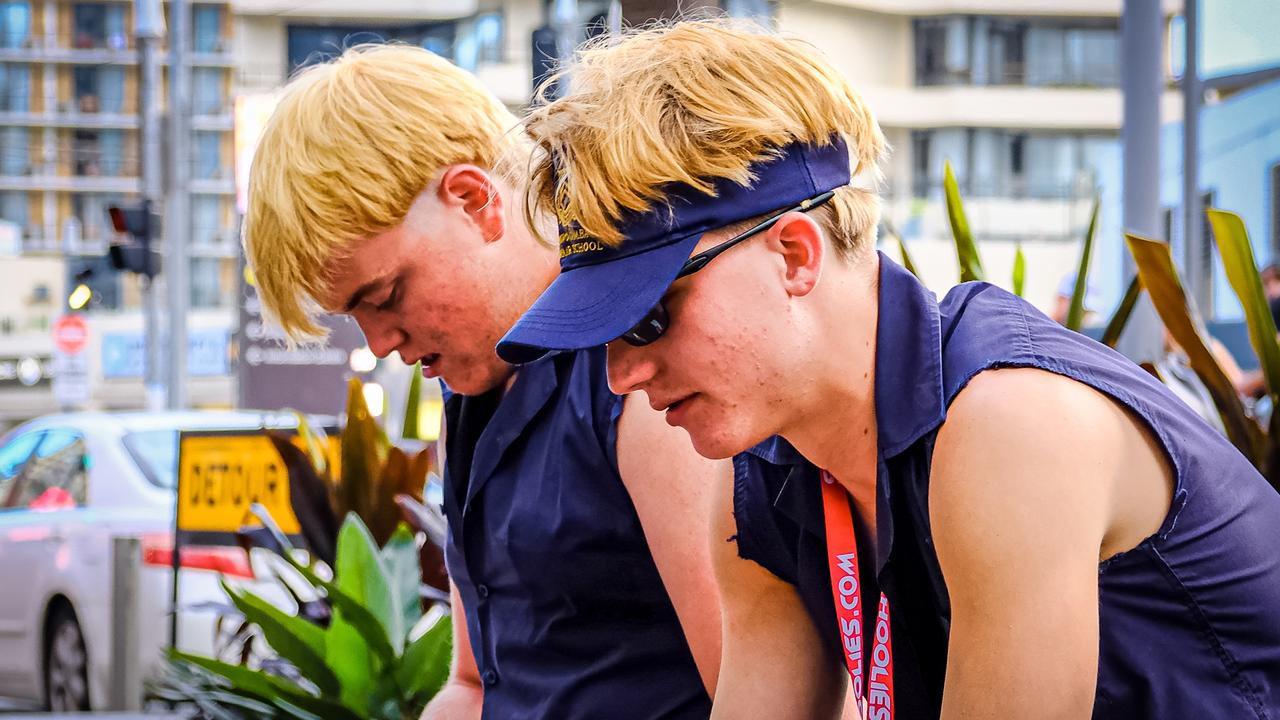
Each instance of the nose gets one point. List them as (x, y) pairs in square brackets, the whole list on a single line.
[(382, 336), (631, 368)]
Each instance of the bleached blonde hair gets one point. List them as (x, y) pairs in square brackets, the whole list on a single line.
[(688, 103), (350, 146)]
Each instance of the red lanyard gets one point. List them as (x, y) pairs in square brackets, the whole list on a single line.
[(842, 557)]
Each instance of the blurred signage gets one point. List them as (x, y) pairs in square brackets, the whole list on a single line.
[(124, 353), (70, 334), (71, 380), (273, 376), (251, 115), (221, 475)]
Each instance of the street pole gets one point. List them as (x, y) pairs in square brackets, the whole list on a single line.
[(125, 688), (149, 30), (178, 218), (1194, 242), (1141, 43)]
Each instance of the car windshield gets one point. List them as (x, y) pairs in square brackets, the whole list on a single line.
[(156, 453)]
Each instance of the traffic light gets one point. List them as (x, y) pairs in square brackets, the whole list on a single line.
[(142, 226)]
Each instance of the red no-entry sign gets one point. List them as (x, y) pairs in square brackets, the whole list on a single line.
[(70, 334)]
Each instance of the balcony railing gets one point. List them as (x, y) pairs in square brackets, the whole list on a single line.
[(1050, 216), (68, 115), (33, 49), (1009, 188)]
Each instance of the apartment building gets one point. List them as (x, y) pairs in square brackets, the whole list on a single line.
[(69, 147), (1021, 96), (69, 133)]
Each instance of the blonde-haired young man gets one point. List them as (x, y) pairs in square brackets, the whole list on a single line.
[(577, 545), (1010, 520)]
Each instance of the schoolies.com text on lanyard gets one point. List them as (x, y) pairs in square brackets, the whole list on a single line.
[(875, 696)]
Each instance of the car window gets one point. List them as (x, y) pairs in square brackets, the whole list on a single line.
[(156, 454), (55, 477), (13, 456)]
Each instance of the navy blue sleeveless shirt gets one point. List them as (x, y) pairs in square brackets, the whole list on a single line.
[(567, 614), (1189, 619)]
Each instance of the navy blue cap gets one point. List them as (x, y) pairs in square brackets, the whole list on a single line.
[(604, 291)]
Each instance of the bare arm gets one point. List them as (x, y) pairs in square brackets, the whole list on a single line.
[(774, 664), (462, 696), (1019, 501), (671, 487)]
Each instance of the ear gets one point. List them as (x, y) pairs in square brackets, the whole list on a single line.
[(475, 192), (799, 240)]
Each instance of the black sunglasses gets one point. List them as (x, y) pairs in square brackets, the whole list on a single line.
[(657, 320)]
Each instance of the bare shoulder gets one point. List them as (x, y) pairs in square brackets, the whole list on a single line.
[(1033, 442), (1029, 414), (1019, 504)]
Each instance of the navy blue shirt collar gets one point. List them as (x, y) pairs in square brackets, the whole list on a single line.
[(910, 400)]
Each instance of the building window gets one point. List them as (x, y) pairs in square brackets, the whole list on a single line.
[(90, 22), (15, 24), (993, 162), (86, 153), (99, 25), (15, 87), (111, 89), (206, 212), (760, 10), (206, 283), (982, 50), (99, 89), (13, 208), (15, 155), (480, 42), (207, 21), (311, 44), (208, 155), (942, 51), (206, 95), (117, 32), (111, 147), (921, 162)]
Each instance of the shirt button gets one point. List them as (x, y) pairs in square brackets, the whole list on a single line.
[(482, 591), (490, 677)]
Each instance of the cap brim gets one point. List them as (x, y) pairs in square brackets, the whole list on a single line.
[(593, 304)]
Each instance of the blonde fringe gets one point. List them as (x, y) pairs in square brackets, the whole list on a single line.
[(350, 146)]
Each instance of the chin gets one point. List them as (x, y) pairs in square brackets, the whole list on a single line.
[(716, 443), (474, 381)]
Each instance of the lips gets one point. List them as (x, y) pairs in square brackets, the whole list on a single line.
[(427, 362), (676, 410)]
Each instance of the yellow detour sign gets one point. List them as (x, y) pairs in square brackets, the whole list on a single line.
[(221, 474)]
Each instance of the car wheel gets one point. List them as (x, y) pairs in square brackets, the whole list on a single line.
[(66, 666)]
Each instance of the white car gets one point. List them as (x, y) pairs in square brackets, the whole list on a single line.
[(69, 485)]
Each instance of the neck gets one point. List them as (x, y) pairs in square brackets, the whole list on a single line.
[(835, 425)]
